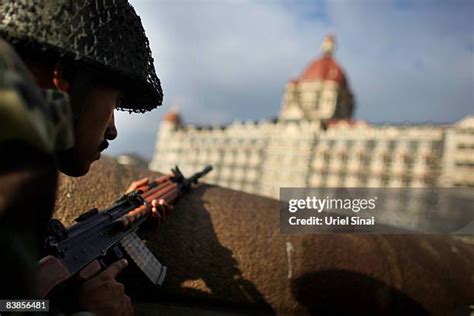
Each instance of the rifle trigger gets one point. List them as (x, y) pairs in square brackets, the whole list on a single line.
[(144, 258)]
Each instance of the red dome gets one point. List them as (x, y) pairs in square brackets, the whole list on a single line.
[(172, 117), (344, 121), (324, 69)]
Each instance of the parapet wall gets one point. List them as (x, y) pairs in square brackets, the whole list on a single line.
[(224, 248)]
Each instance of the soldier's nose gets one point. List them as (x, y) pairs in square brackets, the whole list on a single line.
[(111, 133)]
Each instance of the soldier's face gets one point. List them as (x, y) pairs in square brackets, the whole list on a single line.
[(94, 126)]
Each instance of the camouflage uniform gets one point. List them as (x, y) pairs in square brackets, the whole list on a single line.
[(106, 35), (33, 124), (39, 118)]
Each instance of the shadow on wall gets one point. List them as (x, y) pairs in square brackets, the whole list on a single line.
[(223, 248), (200, 269), (342, 292)]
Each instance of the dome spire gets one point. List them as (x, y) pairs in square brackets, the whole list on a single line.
[(173, 116), (325, 68), (329, 45)]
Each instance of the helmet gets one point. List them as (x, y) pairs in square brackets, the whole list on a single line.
[(105, 34)]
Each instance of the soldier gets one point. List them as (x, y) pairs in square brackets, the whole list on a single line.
[(85, 59)]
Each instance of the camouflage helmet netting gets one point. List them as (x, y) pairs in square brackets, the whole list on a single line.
[(106, 34)]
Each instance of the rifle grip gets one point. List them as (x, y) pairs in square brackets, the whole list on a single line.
[(51, 272), (89, 271)]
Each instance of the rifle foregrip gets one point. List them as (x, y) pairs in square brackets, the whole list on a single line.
[(51, 272)]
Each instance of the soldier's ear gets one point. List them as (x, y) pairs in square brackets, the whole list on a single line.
[(58, 78)]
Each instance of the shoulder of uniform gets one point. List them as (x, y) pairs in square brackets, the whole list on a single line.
[(10, 61), (25, 114)]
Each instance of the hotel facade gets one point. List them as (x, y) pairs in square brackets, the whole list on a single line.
[(315, 142)]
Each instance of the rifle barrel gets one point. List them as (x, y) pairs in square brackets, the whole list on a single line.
[(200, 174)]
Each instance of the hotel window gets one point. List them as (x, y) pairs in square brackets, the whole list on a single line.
[(365, 161), (437, 146), (392, 144), (428, 181), (343, 157), (370, 144), (464, 164), (361, 178)]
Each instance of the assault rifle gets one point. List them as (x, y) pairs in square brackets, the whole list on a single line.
[(102, 237)]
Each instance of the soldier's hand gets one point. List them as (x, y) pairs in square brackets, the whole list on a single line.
[(160, 210), (103, 295), (136, 184)]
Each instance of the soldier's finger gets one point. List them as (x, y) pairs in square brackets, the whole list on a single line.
[(136, 184), (162, 212), (163, 216), (90, 270), (156, 214), (155, 209), (165, 207), (114, 269), (127, 306)]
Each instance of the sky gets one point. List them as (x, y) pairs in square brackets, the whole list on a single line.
[(221, 61)]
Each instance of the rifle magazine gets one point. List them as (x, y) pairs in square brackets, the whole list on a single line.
[(144, 258)]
